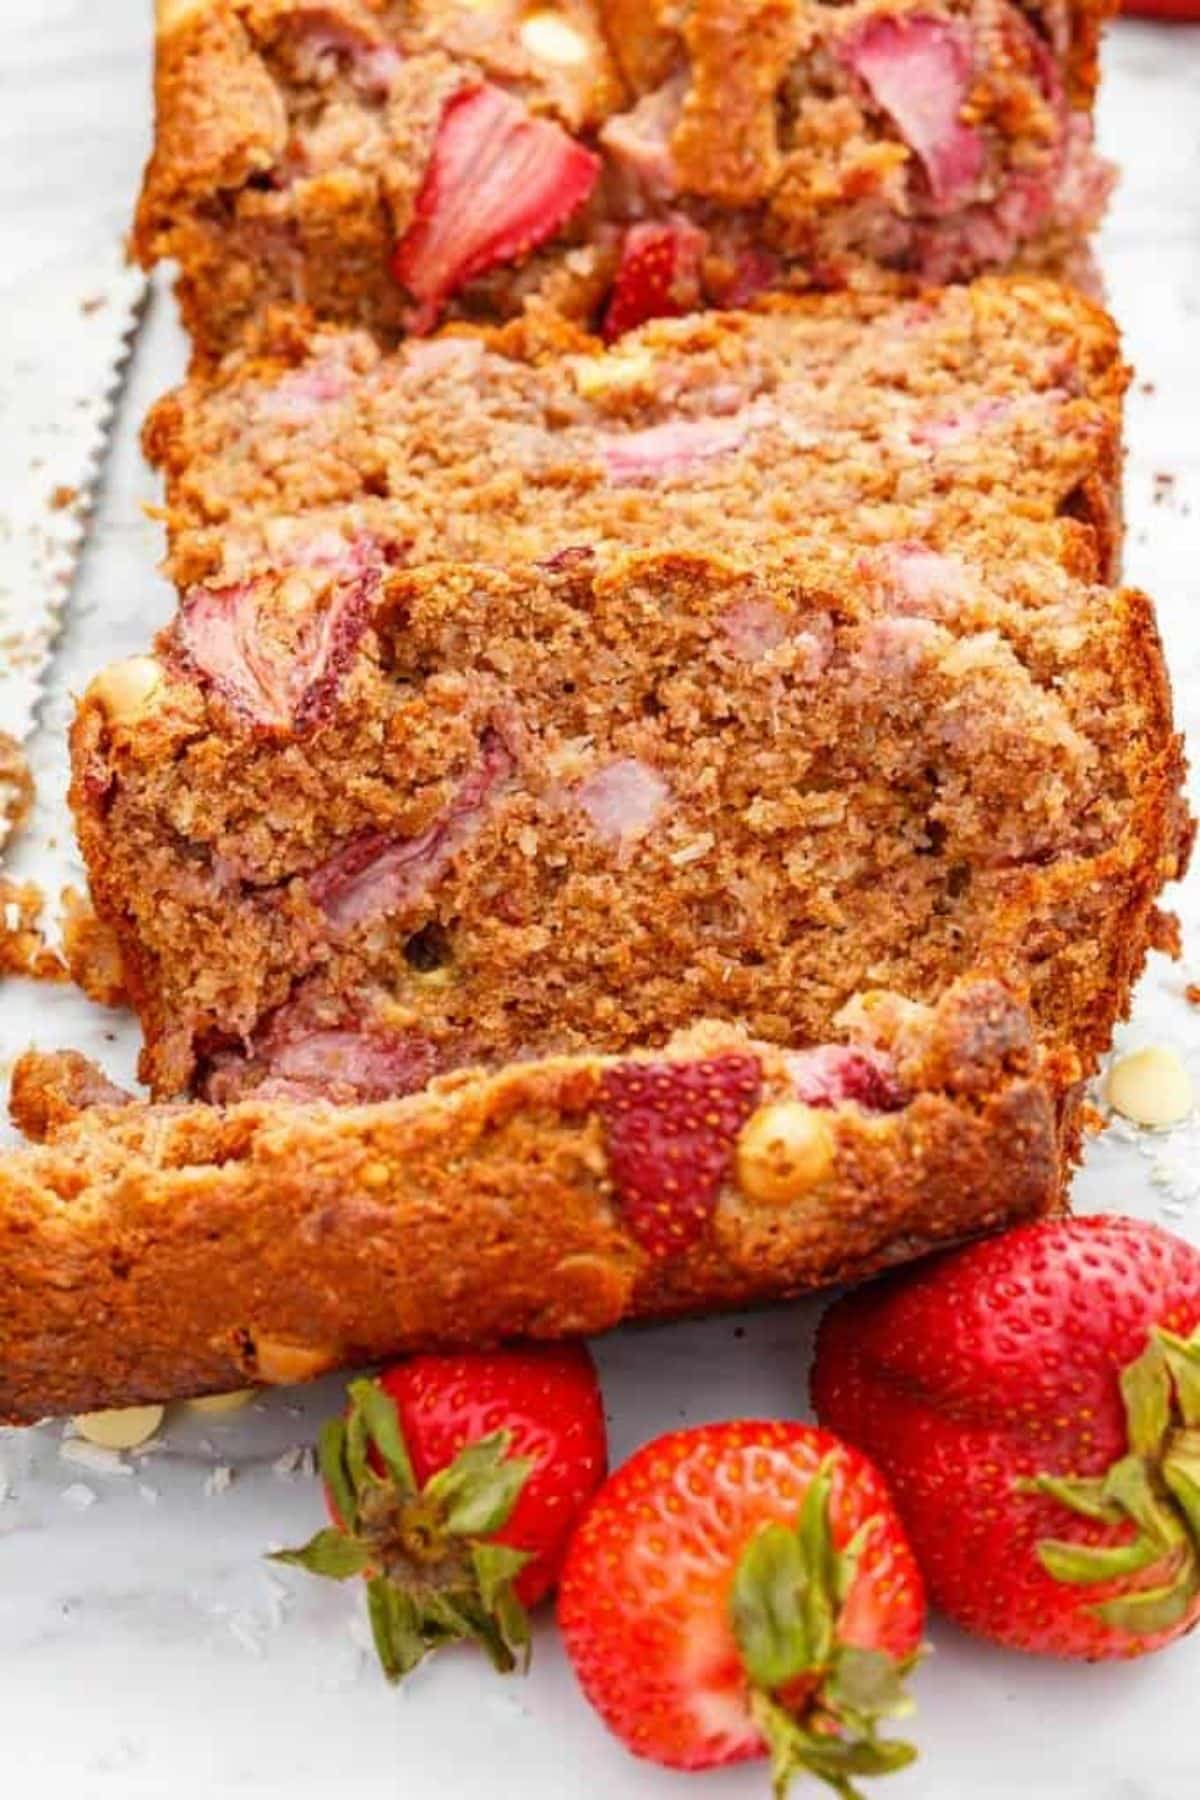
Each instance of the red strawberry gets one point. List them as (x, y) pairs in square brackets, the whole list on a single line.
[(658, 276), (744, 1588), (499, 183), (671, 1128), (1035, 1403), (454, 1483)]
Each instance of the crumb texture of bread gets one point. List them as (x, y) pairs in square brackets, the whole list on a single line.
[(154, 1252), (987, 414), (311, 154), (523, 702)]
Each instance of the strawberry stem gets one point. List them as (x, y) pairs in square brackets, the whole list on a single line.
[(817, 1700), (434, 1575), (1155, 1488)]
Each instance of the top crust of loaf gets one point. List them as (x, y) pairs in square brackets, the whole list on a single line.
[(230, 196)]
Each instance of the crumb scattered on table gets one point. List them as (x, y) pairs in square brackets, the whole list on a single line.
[(91, 952), (1166, 933), (23, 947), (16, 785)]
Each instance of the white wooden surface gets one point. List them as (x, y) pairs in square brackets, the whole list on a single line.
[(145, 1650)]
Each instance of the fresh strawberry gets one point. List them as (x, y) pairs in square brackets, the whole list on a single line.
[(658, 276), (744, 1589), (454, 1483), (1034, 1401), (499, 183), (671, 1128)]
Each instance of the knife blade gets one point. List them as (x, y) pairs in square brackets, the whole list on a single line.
[(66, 333)]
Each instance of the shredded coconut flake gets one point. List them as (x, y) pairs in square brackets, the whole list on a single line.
[(246, 1630), (219, 1481), (79, 1496), (690, 853), (93, 1457)]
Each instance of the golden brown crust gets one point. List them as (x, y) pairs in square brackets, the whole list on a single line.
[(50, 1092), (726, 144), (212, 133), (160, 1251), (91, 952)]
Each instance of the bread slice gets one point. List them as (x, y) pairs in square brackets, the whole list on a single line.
[(151, 1252), (987, 415), (355, 828), (394, 162)]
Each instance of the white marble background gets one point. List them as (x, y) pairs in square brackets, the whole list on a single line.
[(145, 1648)]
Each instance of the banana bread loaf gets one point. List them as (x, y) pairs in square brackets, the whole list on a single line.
[(393, 162), (151, 1252)]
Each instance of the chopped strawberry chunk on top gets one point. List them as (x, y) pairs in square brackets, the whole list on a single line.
[(658, 276), (499, 183), (670, 1128), (832, 1074), (918, 69)]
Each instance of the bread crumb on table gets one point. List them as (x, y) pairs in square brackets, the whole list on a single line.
[(16, 784), (23, 947)]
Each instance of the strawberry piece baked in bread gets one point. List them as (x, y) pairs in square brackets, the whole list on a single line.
[(506, 711), (391, 163), (154, 1251)]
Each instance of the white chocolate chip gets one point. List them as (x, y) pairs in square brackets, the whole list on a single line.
[(783, 1150), (283, 1365), (553, 39), (121, 1429), (1151, 1087), (614, 372), (125, 688), (219, 1482), (217, 1405)]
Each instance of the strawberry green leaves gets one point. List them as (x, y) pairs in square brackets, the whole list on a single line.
[(1154, 1489), (817, 1700), (433, 1576)]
